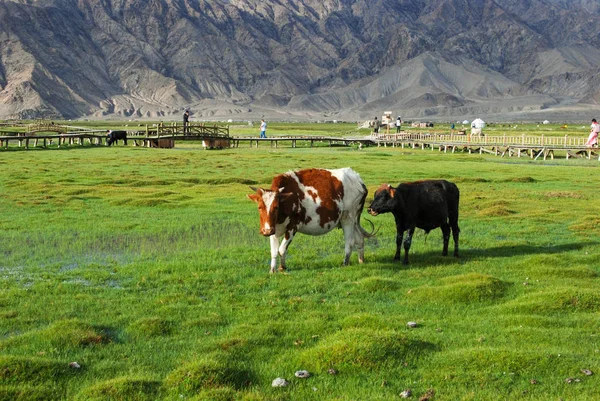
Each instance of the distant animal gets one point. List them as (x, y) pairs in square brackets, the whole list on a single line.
[(113, 136), (425, 204), (314, 202)]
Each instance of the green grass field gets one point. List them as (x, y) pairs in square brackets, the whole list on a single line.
[(145, 267)]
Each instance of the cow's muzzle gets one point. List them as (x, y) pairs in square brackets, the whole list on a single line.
[(372, 212), (267, 232)]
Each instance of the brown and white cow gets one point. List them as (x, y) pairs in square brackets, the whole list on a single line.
[(313, 202)]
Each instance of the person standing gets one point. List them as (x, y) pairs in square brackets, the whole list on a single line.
[(376, 125), (593, 138), (263, 128), (398, 124), (186, 118)]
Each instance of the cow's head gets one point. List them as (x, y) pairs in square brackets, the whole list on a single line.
[(268, 208), (383, 201)]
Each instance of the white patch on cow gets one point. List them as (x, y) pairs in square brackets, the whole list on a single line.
[(268, 199)]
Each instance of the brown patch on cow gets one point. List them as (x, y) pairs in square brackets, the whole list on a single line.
[(263, 213), (312, 194), (384, 187), (292, 207), (254, 197), (329, 190)]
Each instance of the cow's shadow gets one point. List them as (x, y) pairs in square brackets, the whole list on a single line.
[(420, 260)]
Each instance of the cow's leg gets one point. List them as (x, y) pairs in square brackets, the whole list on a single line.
[(399, 235), (446, 234), (285, 243), (348, 229), (359, 242), (274, 251), (455, 232), (407, 243)]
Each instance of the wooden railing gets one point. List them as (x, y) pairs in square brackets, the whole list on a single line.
[(484, 140)]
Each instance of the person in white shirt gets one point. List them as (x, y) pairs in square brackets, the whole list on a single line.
[(263, 129), (398, 124)]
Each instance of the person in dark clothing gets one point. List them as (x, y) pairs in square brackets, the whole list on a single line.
[(186, 118)]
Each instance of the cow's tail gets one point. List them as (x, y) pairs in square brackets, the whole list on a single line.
[(364, 232)]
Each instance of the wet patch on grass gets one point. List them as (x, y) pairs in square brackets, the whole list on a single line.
[(465, 288), (363, 349)]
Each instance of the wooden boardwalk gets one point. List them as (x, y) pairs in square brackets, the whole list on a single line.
[(533, 147), (294, 141), (46, 134)]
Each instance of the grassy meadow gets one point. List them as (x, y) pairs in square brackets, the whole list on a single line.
[(145, 268)]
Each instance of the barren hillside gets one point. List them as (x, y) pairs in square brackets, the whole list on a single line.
[(345, 59)]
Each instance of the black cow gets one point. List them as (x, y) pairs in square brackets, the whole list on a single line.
[(424, 204), (113, 136)]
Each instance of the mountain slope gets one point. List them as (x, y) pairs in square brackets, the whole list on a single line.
[(301, 59)]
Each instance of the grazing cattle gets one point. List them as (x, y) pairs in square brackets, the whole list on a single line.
[(424, 204), (313, 202), (113, 136)]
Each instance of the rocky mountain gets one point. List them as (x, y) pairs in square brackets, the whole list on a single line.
[(299, 59)]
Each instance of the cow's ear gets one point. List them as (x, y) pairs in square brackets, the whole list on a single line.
[(392, 192), (253, 197)]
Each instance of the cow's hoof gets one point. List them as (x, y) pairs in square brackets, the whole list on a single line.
[(281, 268)]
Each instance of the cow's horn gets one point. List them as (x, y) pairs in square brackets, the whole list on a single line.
[(253, 188)]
